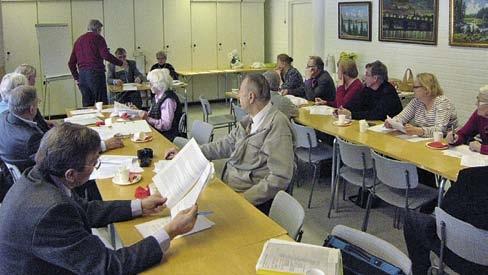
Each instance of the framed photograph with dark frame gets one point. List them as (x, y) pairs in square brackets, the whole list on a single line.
[(354, 20), (468, 23), (409, 21)]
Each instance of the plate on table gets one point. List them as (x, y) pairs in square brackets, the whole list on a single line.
[(437, 145), (133, 178), (146, 139), (347, 123)]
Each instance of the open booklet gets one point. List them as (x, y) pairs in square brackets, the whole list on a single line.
[(285, 257), (183, 179)]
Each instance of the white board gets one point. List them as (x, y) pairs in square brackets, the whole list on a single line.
[(55, 50)]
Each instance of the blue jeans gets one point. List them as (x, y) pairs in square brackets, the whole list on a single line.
[(93, 87)]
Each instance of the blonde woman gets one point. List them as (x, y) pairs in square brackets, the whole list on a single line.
[(429, 111), (166, 111)]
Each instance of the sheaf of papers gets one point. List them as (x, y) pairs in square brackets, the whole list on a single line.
[(413, 138), (122, 128), (158, 166), (468, 157), (298, 101), (111, 163), (184, 178), (148, 228), (396, 125), (129, 86), (86, 119), (83, 112), (285, 256), (120, 109), (320, 110), (380, 128)]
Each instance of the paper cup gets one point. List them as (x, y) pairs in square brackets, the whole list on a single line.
[(438, 136), (139, 136), (99, 106)]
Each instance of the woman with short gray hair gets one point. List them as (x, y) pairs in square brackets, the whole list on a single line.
[(9, 82), (166, 111), (162, 57)]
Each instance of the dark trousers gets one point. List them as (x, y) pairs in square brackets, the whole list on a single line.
[(264, 207), (421, 238), (93, 87)]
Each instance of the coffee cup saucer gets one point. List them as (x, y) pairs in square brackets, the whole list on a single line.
[(135, 179)]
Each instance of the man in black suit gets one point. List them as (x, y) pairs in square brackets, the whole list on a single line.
[(318, 82), (46, 228)]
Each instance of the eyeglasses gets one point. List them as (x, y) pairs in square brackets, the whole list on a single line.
[(310, 66), (416, 87), (96, 165)]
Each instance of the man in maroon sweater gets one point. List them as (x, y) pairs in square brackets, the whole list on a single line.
[(86, 64)]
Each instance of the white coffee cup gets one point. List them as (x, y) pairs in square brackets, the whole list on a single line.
[(314, 271), (99, 106), (438, 136), (139, 136), (363, 126), (341, 119), (122, 174)]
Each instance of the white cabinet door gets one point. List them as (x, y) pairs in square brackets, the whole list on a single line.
[(177, 33), (119, 25), (301, 41), (252, 32), (204, 35), (149, 28), (228, 31), (82, 12)]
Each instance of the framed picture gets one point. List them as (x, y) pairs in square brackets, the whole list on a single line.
[(354, 20), (409, 21), (468, 23)]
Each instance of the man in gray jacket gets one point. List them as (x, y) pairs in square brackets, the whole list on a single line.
[(260, 149)]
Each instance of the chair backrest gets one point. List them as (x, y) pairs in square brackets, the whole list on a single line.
[(14, 171), (287, 212), (374, 246), (392, 172), (354, 155), (207, 110), (462, 238), (202, 131), (305, 136), (239, 113)]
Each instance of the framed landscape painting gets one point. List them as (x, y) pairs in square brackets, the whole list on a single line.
[(409, 21), (468, 24), (354, 20)]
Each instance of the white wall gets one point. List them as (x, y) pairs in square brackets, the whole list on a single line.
[(461, 71)]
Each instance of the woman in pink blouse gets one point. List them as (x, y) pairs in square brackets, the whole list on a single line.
[(477, 124), (351, 85), (166, 111)]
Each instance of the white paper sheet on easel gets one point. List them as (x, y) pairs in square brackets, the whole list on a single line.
[(148, 228), (182, 174)]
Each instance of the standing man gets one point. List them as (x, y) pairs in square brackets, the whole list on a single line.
[(318, 83), (86, 64)]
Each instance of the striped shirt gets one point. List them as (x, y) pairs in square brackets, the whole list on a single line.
[(442, 115)]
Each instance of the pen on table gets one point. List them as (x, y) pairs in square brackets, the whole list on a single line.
[(204, 213)]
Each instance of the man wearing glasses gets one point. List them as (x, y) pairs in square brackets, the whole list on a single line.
[(318, 83), (117, 75), (378, 99), (46, 228)]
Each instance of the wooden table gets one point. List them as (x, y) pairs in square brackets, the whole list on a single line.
[(414, 152), (222, 71), (231, 246)]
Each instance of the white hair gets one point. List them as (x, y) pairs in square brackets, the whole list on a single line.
[(9, 82), (160, 79)]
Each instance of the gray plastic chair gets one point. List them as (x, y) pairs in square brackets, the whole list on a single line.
[(374, 246), (218, 121), (288, 212), (14, 171), (239, 113), (182, 129), (309, 150), (357, 168), (398, 186), (462, 238), (201, 131)]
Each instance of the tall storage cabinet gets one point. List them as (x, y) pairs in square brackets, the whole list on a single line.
[(148, 17), (177, 33), (252, 31)]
